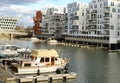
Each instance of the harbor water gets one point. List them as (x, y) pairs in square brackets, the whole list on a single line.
[(92, 65)]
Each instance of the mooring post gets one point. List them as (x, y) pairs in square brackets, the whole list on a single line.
[(64, 79), (50, 80)]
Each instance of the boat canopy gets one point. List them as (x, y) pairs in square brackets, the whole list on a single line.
[(44, 53)]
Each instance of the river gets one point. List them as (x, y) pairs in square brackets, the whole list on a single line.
[(91, 65)]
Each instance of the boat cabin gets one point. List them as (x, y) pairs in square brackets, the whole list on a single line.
[(43, 58)]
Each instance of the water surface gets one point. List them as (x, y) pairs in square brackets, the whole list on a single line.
[(91, 65)]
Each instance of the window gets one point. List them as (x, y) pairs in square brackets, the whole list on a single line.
[(42, 59), (82, 14), (47, 59), (100, 16), (118, 34), (95, 6), (112, 27), (27, 64), (118, 10), (113, 10), (118, 16), (112, 3), (118, 27), (100, 5), (118, 4), (105, 3)]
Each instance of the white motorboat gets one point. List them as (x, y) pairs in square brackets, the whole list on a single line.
[(52, 41), (12, 50), (43, 60), (35, 39)]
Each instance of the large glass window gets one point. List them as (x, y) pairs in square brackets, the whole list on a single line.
[(112, 27), (113, 10), (105, 3), (112, 3)]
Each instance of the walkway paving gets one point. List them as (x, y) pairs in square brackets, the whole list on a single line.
[(4, 73)]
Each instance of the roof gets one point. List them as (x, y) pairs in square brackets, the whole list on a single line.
[(44, 53)]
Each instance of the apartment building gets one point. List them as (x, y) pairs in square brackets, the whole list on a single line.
[(103, 21), (76, 18), (53, 22), (8, 24)]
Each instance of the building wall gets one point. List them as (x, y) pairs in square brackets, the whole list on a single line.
[(37, 21), (76, 18), (103, 19), (53, 21), (8, 23)]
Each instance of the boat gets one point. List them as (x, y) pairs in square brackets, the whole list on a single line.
[(35, 39), (9, 50), (43, 61), (52, 41)]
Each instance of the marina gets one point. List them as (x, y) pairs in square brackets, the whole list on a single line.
[(92, 65), (64, 42)]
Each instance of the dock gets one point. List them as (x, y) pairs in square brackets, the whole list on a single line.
[(41, 78), (8, 77), (4, 73)]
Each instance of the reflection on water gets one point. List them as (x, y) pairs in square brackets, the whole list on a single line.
[(91, 65)]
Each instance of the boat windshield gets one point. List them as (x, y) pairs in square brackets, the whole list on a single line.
[(14, 47)]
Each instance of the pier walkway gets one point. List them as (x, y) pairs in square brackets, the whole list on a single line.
[(4, 73)]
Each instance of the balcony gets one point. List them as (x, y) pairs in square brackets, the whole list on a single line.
[(106, 22), (106, 10), (94, 12), (106, 28), (92, 28), (107, 6), (107, 16), (92, 23)]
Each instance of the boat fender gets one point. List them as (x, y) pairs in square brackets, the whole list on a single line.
[(64, 78), (58, 71)]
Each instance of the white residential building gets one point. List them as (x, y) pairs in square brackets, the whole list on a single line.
[(53, 21), (103, 18), (8, 24), (76, 18)]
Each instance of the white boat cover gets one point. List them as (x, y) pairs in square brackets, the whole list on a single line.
[(44, 53)]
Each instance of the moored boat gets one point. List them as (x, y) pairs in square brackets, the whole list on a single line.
[(35, 39), (52, 41), (43, 61), (9, 50)]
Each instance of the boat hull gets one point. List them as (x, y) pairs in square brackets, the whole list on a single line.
[(36, 69)]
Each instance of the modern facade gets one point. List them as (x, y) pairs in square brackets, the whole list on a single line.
[(53, 22), (96, 23), (103, 21), (100, 25), (76, 18), (37, 21), (8, 23)]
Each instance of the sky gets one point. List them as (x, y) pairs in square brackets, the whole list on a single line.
[(25, 10)]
